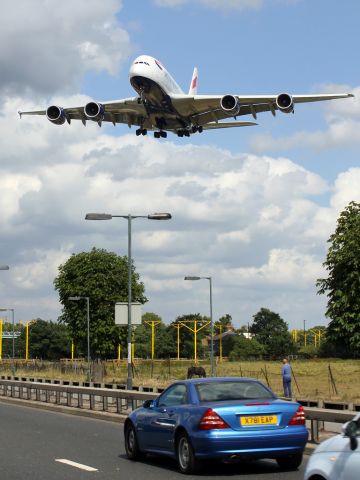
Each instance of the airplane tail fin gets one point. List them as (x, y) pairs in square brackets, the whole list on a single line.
[(194, 82)]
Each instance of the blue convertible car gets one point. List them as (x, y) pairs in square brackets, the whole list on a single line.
[(226, 418)]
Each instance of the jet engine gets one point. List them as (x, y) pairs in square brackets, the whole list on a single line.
[(285, 103), (56, 115), (230, 105), (94, 111)]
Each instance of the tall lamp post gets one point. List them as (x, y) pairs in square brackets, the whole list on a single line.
[(211, 321), (88, 329), (129, 217), (13, 337), (2, 267)]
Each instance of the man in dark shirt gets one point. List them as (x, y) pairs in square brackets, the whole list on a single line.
[(286, 377)]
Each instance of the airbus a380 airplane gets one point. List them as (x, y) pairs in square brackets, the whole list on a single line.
[(162, 106)]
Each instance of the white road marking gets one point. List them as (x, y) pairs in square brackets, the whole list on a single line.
[(77, 465)]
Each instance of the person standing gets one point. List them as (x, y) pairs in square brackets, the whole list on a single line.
[(286, 377)]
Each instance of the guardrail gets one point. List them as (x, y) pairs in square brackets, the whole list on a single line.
[(86, 398), (121, 401)]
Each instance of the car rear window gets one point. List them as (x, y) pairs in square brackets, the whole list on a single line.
[(222, 391)]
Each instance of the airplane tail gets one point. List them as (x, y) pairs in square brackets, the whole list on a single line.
[(194, 82)]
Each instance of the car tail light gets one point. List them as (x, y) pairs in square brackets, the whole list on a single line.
[(299, 417), (211, 420)]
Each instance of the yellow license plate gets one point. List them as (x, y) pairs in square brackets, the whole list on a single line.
[(259, 420)]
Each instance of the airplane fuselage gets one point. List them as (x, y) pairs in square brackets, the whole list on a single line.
[(151, 80), (155, 86)]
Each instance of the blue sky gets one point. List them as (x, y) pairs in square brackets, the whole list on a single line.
[(252, 207), (291, 46)]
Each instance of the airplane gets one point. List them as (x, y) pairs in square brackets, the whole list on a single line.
[(161, 105)]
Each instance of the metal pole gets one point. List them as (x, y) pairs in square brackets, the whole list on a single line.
[(88, 337), (220, 342), (27, 342), (152, 339), (178, 342), (129, 339), (211, 332), (195, 340), (13, 342)]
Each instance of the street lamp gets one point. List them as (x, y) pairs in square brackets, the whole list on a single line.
[(129, 217), (211, 321), (88, 329), (13, 336)]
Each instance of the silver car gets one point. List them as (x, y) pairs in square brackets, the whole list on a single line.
[(337, 458)]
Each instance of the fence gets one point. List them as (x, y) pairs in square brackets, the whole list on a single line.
[(117, 400)]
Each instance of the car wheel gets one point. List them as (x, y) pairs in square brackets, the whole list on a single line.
[(290, 462), (131, 443), (185, 455)]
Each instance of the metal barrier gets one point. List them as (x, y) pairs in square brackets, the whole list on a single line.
[(88, 398), (121, 401), (318, 416)]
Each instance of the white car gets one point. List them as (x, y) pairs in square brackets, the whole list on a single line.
[(337, 458)]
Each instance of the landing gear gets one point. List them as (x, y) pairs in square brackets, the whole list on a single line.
[(161, 134), (141, 131), (196, 128), (183, 133)]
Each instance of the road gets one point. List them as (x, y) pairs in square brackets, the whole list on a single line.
[(33, 441)]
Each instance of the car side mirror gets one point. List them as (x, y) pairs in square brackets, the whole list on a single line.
[(350, 430), (148, 404)]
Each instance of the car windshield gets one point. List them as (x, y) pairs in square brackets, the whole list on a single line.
[(222, 391)]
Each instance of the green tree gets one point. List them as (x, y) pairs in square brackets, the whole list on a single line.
[(225, 321), (103, 277), (47, 340), (244, 348), (272, 332), (342, 286), (7, 342)]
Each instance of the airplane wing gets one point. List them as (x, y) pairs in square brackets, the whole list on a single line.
[(215, 125), (128, 111), (203, 108), (199, 111)]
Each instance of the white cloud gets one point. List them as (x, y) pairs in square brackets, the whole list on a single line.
[(343, 128), (40, 272), (346, 189), (252, 222), (53, 46)]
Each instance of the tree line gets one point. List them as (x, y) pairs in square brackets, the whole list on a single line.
[(267, 337), (102, 277)]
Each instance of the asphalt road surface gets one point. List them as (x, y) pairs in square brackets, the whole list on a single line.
[(41, 445)]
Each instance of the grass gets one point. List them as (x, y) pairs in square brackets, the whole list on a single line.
[(327, 379)]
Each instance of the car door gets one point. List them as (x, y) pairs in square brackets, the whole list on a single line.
[(160, 421)]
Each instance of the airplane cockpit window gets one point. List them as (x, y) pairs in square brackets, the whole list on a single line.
[(144, 63)]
